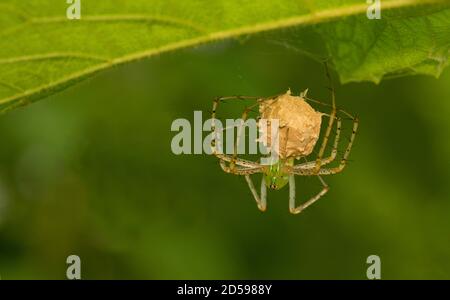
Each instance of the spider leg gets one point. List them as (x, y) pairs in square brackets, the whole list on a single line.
[(239, 133), (296, 210), (342, 164), (308, 169), (216, 103), (328, 159), (338, 109), (330, 122), (232, 160), (238, 170), (260, 201), (238, 161), (333, 154)]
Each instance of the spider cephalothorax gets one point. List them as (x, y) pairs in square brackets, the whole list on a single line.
[(298, 132)]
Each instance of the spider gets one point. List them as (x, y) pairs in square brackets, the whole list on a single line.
[(278, 174)]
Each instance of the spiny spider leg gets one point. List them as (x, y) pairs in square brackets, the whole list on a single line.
[(311, 170), (299, 169), (233, 160), (329, 105), (239, 133), (327, 160), (240, 170), (213, 117), (296, 210), (338, 169), (238, 161), (330, 122), (228, 158), (260, 201)]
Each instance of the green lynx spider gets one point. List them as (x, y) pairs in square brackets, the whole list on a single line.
[(277, 175)]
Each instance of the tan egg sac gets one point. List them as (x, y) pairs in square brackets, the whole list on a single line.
[(299, 125)]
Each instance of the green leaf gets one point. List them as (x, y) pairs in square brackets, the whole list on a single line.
[(393, 46), (42, 52)]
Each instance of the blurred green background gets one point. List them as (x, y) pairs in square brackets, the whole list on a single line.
[(90, 172)]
